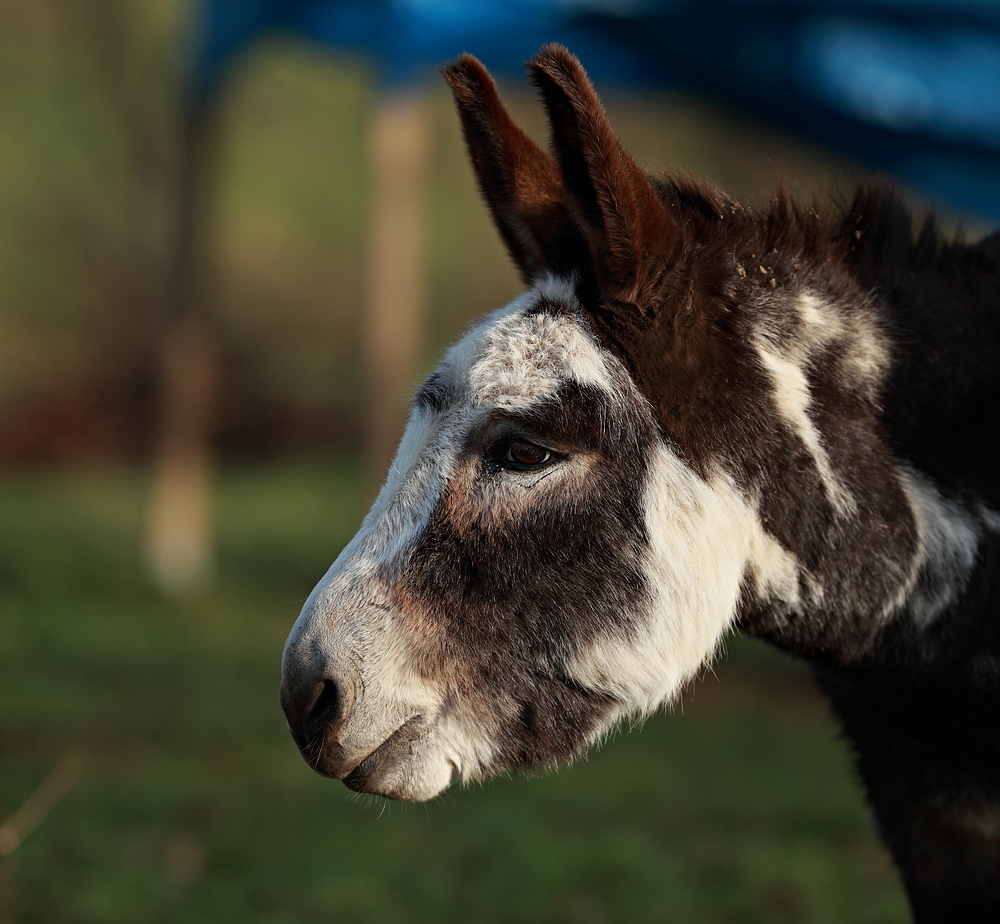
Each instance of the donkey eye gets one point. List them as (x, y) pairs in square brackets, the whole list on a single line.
[(522, 455)]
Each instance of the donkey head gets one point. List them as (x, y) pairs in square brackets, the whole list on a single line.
[(598, 481)]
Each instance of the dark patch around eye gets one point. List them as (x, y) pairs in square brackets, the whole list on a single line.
[(585, 417)]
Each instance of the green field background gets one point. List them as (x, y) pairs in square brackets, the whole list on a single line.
[(192, 804)]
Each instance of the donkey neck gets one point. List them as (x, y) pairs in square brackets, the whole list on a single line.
[(942, 399), (940, 305), (900, 561)]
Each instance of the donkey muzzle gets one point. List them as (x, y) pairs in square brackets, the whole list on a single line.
[(317, 701)]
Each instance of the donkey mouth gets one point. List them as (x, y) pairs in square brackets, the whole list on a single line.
[(396, 748)]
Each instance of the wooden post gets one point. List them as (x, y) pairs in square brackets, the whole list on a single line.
[(399, 149), (178, 541)]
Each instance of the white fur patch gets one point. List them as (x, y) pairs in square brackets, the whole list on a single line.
[(462, 355), (864, 347), (792, 399), (556, 289), (949, 539), (862, 358), (525, 358), (990, 518), (704, 538)]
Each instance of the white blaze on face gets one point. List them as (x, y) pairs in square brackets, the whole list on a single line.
[(510, 360), (525, 359)]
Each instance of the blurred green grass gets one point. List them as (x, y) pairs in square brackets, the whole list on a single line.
[(194, 805)]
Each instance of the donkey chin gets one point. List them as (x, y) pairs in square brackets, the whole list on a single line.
[(410, 765)]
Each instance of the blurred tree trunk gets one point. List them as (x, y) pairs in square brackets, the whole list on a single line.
[(399, 150), (140, 221), (178, 540)]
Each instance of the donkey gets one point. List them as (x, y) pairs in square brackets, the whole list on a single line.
[(699, 417)]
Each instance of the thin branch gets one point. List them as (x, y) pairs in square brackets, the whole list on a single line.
[(39, 805)]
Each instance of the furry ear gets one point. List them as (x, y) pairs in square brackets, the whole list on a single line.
[(520, 182), (632, 236)]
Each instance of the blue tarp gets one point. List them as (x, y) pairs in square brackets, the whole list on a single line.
[(908, 86)]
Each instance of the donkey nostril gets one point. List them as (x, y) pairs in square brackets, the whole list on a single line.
[(328, 707), (318, 701)]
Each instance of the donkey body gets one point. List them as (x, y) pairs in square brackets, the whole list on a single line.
[(698, 417)]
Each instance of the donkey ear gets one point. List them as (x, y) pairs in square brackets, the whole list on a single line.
[(633, 237), (519, 181)]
